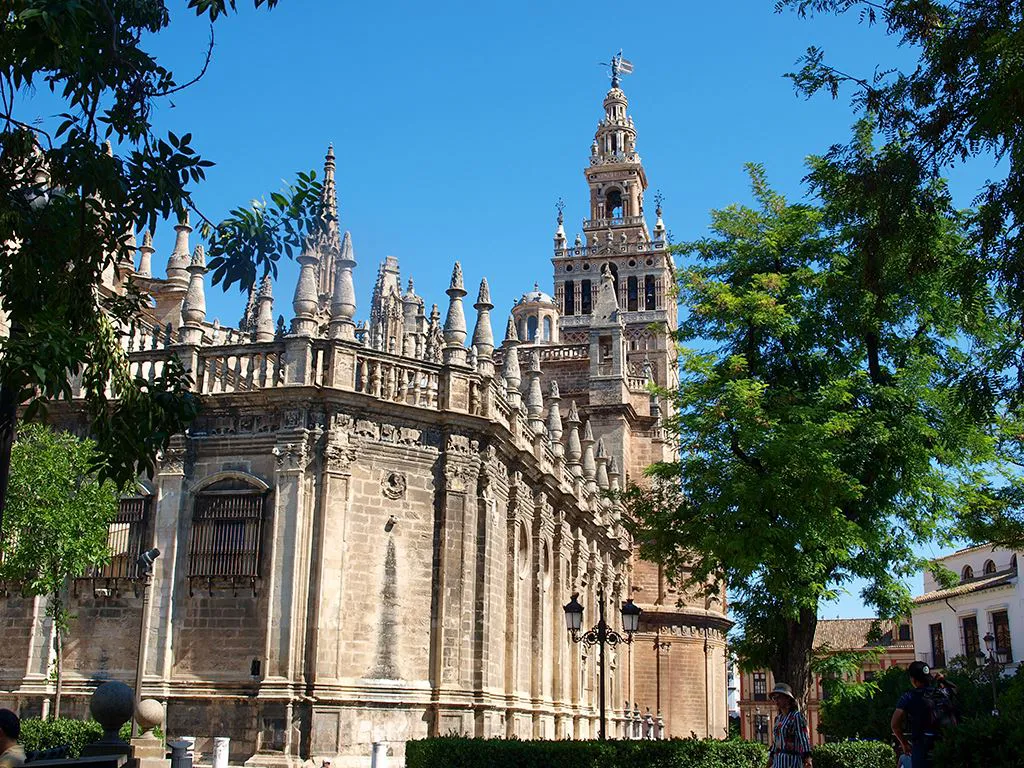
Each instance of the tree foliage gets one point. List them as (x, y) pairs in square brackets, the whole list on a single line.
[(961, 102), (70, 205), (57, 520), (824, 420)]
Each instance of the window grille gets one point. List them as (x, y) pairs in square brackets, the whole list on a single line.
[(1001, 629), (226, 534), (969, 626), (126, 539)]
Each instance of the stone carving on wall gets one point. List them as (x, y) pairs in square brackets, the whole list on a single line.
[(339, 457), (393, 485), (290, 456), (171, 460), (292, 418)]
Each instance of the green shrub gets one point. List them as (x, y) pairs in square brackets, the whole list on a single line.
[(39, 734), (854, 754), (457, 752)]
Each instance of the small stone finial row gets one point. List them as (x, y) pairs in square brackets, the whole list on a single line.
[(483, 335)]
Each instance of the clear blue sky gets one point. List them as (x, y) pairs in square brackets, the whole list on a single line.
[(457, 126)]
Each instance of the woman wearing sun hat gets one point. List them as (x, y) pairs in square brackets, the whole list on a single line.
[(791, 746)]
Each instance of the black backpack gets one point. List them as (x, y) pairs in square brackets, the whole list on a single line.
[(940, 708)]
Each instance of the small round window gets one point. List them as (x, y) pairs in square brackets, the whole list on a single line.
[(586, 267), (568, 267)]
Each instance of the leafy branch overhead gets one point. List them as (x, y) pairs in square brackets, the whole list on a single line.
[(73, 193), (960, 103)]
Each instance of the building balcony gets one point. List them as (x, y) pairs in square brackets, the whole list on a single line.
[(618, 221)]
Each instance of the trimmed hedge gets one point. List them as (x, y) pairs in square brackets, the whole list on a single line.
[(458, 752), (37, 735), (854, 754)]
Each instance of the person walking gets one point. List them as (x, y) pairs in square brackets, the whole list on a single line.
[(791, 744), (11, 753), (929, 707)]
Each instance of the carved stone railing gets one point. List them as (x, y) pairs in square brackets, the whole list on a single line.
[(396, 379), (616, 221), (612, 249), (240, 368), (564, 352)]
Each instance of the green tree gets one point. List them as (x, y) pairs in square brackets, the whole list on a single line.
[(960, 102), (822, 424), (70, 205), (58, 516)]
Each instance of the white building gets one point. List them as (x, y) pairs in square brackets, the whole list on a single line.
[(989, 599)]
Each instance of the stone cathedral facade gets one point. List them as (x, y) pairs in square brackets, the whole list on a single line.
[(370, 532)]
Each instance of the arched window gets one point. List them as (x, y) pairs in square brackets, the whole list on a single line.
[(650, 300), (227, 529), (531, 328), (613, 203), (966, 573), (547, 329), (990, 567), (632, 294), (585, 298), (570, 298)]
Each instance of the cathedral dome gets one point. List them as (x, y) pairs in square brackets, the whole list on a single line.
[(536, 296)]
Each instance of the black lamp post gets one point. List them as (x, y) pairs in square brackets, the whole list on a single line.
[(997, 658), (144, 571), (600, 635)]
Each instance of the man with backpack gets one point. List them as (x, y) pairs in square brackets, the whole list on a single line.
[(930, 708)]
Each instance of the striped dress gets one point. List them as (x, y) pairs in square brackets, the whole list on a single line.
[(790, 742)]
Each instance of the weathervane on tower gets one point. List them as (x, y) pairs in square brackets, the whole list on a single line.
[(619, 66)]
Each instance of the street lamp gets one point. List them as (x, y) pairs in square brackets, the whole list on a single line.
[(600, 635), (997, 658), (145, 572)]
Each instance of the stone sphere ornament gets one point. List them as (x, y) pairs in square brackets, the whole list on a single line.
[(112, 705), (149, 714)]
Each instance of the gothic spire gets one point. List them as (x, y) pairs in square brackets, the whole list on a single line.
[(264, 330), (193, 308), (614, 475), (343, 302), (534, 395), (178, 262), (305, 301), (573, 450), (146, 255), (589, 463), (327, 238), (455, 320), (601, 459), (483, 336), (510, 366), (555, 419)]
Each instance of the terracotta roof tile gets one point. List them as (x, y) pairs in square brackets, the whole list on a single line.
[(852, 634), (975, 585)]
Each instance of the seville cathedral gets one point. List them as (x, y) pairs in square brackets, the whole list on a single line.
[(369, 533)]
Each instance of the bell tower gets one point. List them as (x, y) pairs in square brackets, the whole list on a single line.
[(616, 239)]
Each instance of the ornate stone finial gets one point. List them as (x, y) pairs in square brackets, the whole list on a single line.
[(264, 330), (177, 263), (573, 450), (146, 251), (343, 302), (305, 301), (614, 475), (149, 713), (510, 371), (455, 321), (483, 335), (554, 416), (560, 230), (193, 308), (111, 705), (589, 462), (601, 460), (435, 337), (534, 395), (409, 289)]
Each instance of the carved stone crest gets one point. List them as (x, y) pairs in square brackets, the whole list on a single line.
[(393, 485)]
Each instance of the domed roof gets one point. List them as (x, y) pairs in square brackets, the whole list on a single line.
[(536, 296)]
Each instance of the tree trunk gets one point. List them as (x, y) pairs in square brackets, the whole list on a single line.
[(793, 662), (58, 647)]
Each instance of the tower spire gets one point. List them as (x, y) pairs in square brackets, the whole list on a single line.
[(455, 320), (483, 335)]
